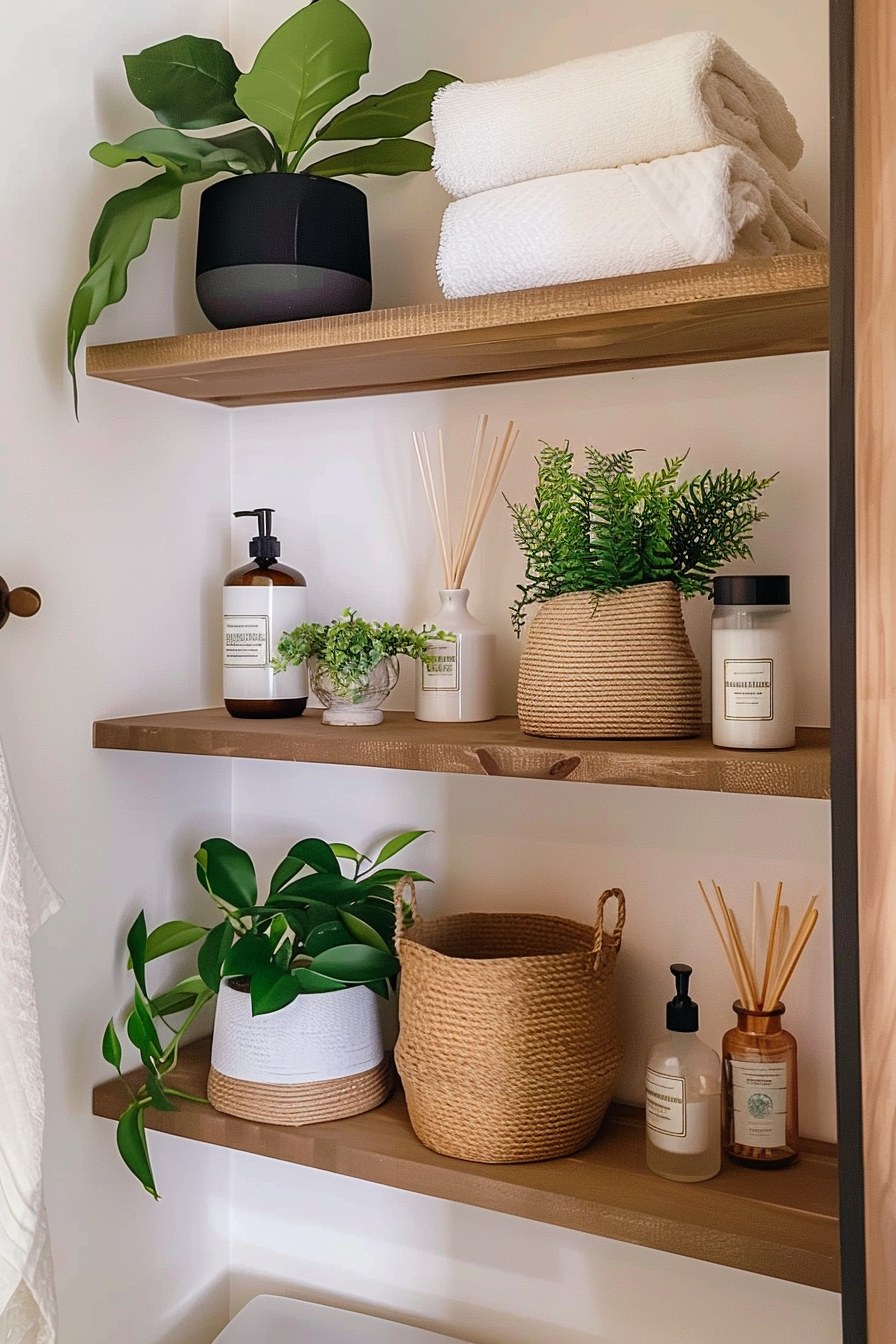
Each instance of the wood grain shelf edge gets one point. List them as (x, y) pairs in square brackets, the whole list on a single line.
[(781, 1224), (498, 748)]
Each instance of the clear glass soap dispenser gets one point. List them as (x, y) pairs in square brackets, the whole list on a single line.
[(684, 1089)]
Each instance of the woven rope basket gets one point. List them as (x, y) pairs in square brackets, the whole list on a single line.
[(620, 665), (508, 1047)]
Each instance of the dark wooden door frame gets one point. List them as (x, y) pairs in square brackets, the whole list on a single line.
[(844, 813)]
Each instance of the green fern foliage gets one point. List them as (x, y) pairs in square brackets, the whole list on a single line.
[(606, 528)]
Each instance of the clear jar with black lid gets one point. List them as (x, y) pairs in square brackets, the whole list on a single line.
[(752, 668)]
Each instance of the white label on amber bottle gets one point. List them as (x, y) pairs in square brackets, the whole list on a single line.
[(749, 688), (247, 641), (759, 1099), (666, 1109), (443, 673)]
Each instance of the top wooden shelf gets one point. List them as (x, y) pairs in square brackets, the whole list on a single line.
[(776, 306)]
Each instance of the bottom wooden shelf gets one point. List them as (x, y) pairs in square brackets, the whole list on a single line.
[(779, 1223)]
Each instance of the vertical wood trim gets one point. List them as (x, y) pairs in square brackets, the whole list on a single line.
[(875, 479), (843, 679)]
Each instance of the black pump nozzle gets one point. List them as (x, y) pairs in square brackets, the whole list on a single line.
[(264, 548), (682, 1013)]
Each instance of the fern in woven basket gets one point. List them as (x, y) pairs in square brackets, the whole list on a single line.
[(605, 528)]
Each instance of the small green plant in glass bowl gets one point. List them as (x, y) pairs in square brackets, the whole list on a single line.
[(353, 663)]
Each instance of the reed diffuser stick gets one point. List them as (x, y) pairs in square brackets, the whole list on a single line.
[(735, 971), (740, 955), (799, 944), (770, 950), (782, 954), (483, 479)]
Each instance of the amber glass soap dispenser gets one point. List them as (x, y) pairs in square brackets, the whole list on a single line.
[(261, 600)]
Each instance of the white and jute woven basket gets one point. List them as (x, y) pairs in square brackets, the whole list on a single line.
[(618, 665), (508, 1047), (319, 1058)]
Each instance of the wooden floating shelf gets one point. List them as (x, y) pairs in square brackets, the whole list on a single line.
[(776, 306), (496, 748), (779, 1223)]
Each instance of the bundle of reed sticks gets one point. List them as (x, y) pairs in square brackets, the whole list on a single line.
[(483, 478), (782, 953)]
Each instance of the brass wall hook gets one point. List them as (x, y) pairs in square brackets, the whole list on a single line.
[(18, 602)]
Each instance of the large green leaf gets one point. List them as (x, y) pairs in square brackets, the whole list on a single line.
[(363, 932), (158, 1095), (131, 1139), (319, 887), (181, 997), (227, 872), (348, 852), (391, 158), (249, 954), (188, 82), (389, 876), (171, 936), (304, 70), (398, 842), (317, 854), (246, 151), (388, 114), (312, 983), (331, 934), (272, 989), (137, 941), (122, 233), (212, 953), (356, 964), (142, 1030), (378, 915), (112, 1047)]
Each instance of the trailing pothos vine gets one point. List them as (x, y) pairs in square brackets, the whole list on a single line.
[(605, 528)]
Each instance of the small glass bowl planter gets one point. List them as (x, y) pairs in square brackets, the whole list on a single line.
[(356, 706)]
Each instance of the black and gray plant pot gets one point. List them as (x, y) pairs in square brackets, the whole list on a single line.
[(276, 247)]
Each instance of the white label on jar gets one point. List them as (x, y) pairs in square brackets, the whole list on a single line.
[(666, 1109), (443, 674), (759, 1101), (749, 688), (247, 641)]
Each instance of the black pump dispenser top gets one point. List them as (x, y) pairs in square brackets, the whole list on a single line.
[(264, 548), (682, 1013)]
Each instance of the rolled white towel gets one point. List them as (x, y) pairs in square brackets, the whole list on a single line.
[(693, 209), (679, 94)]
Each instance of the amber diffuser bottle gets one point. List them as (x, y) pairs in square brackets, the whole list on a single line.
[(261, 601), (760, 1072)]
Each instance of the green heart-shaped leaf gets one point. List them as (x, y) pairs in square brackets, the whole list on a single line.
[(356, 964), (227, 872), (391, 158), (364, 932), (272, 989), (388, 114), (188, 82), (212, 953), (304, 70)]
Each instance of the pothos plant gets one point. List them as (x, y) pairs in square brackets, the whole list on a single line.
[(321, 929), (606, 528), (350, 648), (303, 72)]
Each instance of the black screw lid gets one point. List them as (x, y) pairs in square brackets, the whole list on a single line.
[(682, 1013), (751, 590), (264, 548)]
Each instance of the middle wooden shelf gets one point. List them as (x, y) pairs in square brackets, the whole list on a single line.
[(494, 748), (779, 1223)]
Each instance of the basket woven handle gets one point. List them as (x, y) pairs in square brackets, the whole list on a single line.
[(601, 937), (403, 903)]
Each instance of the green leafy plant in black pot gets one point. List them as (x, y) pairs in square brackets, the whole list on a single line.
[(283, 237), (320, 930)]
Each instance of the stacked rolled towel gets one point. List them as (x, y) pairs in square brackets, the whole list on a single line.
[(676, 153)]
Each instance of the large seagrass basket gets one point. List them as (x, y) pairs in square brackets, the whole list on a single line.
[(508, 1046), (616, 665)]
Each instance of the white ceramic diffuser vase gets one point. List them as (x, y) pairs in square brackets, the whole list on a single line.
[(319, 1058), (458, 684)]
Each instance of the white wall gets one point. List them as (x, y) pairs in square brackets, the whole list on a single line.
[(121, 524), (350, 515)]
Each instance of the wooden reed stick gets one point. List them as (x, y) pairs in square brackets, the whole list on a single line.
[(472, 478), (450, 542), (753, 932), (770, 950), (749, 999), (796, 951), (488, 489), (723, 940), (748, 964), (429, 491), (782, 942)]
